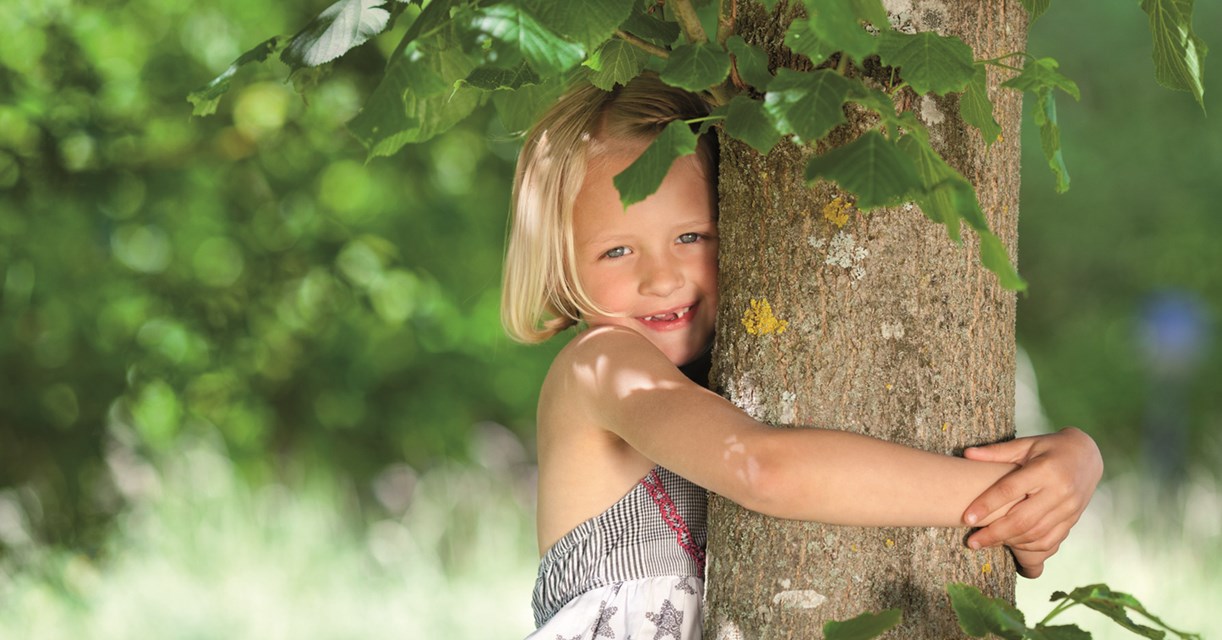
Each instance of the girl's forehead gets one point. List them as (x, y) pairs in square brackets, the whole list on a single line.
[(683, 198)]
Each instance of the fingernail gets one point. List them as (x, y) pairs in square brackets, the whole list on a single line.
[(971, 518), (974, 545)]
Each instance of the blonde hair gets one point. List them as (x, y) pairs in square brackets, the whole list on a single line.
[(541, 295)]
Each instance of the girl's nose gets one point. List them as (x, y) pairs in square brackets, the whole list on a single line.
[(661, 277)]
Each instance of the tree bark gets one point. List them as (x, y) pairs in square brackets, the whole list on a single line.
[(890, 330)]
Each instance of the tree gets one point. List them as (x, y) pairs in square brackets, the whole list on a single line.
[(839, 306), (890, 330)]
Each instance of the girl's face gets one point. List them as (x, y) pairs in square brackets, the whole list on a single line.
[(654, 265)]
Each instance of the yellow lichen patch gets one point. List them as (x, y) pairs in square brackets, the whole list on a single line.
[(987, 568), (837, 211), (945, 426), (889, 386), (853, 548), (890, 543), (759, 319)]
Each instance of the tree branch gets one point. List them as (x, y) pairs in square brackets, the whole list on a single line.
[(685, 13), (647, 47), (726, 20)]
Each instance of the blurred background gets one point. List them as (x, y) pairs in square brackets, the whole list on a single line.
[(252, 385)]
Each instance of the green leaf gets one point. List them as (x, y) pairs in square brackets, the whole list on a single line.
[(615, 62), (1050, 137), (696, 67), (1101, 598), (839, 25), (747, 121), (801, 38), (975, 107), (1040, 77), (879, 102), (1179, 55), (206, 98), (807, 103), (1057, 632), (433, 16), (871, 167), (645, 175), (338, 29), (520, 108), (1041, 74), (873, 12), (994, 257), (586, 22), (863, 627), (979, 614), (492, 78), (648, 27), (545, 51), (417, 98), (1035, 8), (752, 63), (928, 62), (945, 197)]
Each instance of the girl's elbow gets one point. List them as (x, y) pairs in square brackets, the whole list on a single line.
[(762, 484)]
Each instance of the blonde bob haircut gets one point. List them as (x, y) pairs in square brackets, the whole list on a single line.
[(540, 294)]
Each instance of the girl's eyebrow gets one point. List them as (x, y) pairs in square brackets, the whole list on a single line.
[(605, 239)]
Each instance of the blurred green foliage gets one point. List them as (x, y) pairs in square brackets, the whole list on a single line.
[(1139, 224), (249, 276), (246, 274)]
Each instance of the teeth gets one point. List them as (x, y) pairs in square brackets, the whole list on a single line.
[(668, 317)]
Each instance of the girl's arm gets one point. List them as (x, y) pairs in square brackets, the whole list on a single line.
[(629, 388)]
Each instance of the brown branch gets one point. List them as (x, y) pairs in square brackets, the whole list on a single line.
[(725, 20), (637, 42), (685, 14)]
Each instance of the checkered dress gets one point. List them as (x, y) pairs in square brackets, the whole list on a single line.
[(636, 570)]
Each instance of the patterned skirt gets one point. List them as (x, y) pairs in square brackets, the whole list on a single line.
[(646, 608)]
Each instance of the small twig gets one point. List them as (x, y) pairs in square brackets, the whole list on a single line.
[(726, 20), (685, 13), (998, 59), (637, 42)]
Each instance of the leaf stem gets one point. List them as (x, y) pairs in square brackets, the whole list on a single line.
[(1006, 66), (637, 42), (998, 59), (1063, 605), (703, 119), (685, 14)]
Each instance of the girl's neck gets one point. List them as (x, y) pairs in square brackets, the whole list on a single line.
[(698, 369)]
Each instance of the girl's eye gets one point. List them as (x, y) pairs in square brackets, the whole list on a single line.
[(617, 252), (689, 238)]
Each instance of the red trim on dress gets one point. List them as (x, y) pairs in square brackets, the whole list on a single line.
[(670, 515)]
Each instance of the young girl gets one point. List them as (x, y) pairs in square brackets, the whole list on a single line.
[(628, 442)]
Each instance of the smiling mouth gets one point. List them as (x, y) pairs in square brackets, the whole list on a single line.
[(670, 316)]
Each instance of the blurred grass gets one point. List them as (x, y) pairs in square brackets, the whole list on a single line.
[(1164, 548), (202, 554)]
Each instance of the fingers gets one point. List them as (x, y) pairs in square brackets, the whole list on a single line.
[(1034, 523), (1031, 563), (1015, 451), (1011, 488)]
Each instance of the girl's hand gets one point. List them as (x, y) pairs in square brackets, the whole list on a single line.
[(1056, 478)]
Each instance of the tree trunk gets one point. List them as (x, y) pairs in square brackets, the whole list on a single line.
[(890, 330)]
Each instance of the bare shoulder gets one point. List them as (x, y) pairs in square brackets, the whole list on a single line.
[(596, 363)]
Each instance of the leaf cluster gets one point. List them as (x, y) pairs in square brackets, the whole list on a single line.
[(980, 616), (456, 54)]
